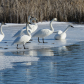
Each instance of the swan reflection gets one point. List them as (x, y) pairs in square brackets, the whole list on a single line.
[(43, 52), (26, 53), (60, 51)]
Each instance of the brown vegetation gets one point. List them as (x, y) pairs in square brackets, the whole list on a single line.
[(17, 11)]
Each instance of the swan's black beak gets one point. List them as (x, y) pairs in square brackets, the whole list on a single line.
[(72, 26), (29, 23), (36, 20)]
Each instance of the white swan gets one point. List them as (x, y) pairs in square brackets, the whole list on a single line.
[(2, 34), (33, 27), (45, 32), (23, 39), (61, 34)]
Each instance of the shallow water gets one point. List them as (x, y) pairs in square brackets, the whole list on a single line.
[(62, 65)]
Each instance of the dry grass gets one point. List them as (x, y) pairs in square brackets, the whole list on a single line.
[(17, 11)]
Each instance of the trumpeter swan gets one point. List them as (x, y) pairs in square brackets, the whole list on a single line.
[(45, 32), (23, 39), (33, 27), (61, 34), (2, 34)]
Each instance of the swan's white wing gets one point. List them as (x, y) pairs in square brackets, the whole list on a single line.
[(19, 33), (22, 39), (16, 40), (42, 33)]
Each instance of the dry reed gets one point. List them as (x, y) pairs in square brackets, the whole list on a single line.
[(17, 11)]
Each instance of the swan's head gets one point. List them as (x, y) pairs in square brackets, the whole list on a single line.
[(70, 26), (2, 23), (33, 20), (55, 19), (59, 32)]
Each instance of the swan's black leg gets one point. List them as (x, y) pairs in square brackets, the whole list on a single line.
[(43, 40), (31, 39), (38, 40), (24, 47), (17, 46)]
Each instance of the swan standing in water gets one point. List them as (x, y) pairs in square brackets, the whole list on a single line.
[(45, 32), (33, 27), (2, 34), (23, 39), (61, 35)]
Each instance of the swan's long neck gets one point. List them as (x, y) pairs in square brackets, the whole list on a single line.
[(1, 30), (65, 30), (29, 18), (51, 27), (27, 29)]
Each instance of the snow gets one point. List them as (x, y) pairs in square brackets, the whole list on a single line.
[(74, 35)]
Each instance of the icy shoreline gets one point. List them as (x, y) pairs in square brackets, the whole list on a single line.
[(74, 35)]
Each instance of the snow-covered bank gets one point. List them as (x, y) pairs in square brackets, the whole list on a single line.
[(73, 35)]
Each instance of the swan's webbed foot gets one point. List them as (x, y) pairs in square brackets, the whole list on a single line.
[(28, 42), (5, 42), (31, 40), (18, 48), (39, 42), (25, 48), (43, 41)]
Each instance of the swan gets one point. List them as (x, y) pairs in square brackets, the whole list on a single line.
[(61, 34), (33, 27), (23, 39), (45, 32), (2, 34)]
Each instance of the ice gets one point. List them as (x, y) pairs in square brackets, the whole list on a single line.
[(74, 35), (6, 61)]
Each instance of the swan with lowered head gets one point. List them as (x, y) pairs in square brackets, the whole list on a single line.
[(61, 34), (33, 27), (2, 34), (42, 33), (23, 39)]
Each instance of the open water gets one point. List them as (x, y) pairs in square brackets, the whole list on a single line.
[(62, 65)]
